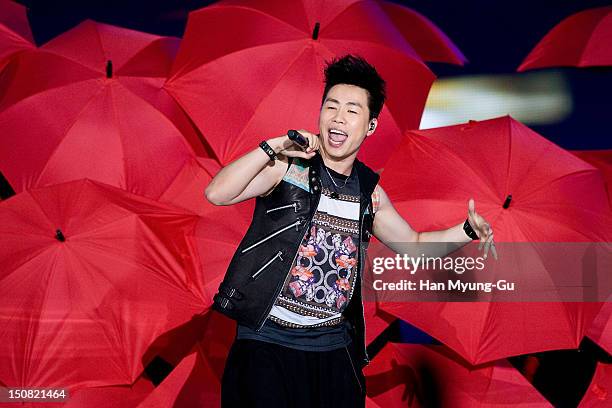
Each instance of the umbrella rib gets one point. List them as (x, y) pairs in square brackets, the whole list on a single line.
[(586, 46), (561, 177), (255, 10), (405, 42), (27, 261), (164, 118), (70, 59), (414, 58), (460, 159), (549, 220), (118, 127), (101, 44), (33, 326), (509, 156), (98, 247), (272, 88), (76, 118)]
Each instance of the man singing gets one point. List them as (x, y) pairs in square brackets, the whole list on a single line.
[(294, 283)]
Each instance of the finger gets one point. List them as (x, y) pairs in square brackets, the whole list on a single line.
[(493, 250), (488, 246), (314, 143), (471, 207), (481, 243), (317, 142), (484, 236)]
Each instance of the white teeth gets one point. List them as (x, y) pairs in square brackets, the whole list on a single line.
[(339, 132)]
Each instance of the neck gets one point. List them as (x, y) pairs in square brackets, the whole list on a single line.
[(342, 166)]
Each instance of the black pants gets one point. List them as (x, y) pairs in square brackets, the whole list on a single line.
[(261, 374)]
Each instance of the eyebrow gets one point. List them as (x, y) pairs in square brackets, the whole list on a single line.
[(348, 103)]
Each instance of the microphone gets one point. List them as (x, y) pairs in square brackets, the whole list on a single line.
[(297, 138)]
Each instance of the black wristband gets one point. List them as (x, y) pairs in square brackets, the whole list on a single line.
[(469, 231), (269, 151)]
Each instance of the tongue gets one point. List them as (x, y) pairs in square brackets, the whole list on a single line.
[(337, 138)]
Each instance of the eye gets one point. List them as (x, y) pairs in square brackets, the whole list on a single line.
[(352, 111), (331, 107)]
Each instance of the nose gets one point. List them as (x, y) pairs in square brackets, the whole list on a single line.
[(338, 117)]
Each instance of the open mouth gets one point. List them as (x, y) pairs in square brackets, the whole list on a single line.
[(336, 137)]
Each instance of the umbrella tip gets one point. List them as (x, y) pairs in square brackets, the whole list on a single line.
[(315, 32), (507, 202), (59, 235), (109, 69)]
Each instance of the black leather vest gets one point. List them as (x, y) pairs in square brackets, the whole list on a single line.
[(263, 259)]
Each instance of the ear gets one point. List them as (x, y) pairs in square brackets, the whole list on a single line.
[(372, 126)]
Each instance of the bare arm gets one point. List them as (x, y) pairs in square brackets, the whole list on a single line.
[(391, 229), (253, 174)]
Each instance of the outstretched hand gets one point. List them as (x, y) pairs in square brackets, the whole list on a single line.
[(483, 230)]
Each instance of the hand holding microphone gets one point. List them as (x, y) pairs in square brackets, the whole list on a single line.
[(294, 144), (301, 144)]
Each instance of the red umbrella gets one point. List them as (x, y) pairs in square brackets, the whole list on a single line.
[(599, 393), (376, 320), (90, 103), (601, 159), (196, 381), (91, 276), (117, 396), (601, 329), (581, 40), (187, 188), (15, 33), (490, 160), (266, 77), (424, 36), (216, 237), (550, 195), (403, 375), (220, 228)]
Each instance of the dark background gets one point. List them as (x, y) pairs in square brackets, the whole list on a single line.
[(495, 36)]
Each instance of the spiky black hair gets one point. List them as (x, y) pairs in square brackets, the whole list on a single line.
[(354, 70)]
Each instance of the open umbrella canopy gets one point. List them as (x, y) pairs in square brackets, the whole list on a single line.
[(15, 33), (187, 188), (266, 77), (602, 160), (216, 238), (196, 380), (429, 42), (601, 329), (404, 375), (530, 190), (90, 276), (581, 40), (599, 393), (90, 103)]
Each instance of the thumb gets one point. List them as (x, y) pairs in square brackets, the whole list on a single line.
[(471, 207)]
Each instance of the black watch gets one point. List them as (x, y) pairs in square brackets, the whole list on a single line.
[(269, 151), (469, 231)]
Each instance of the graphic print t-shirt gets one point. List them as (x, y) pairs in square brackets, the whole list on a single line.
[(321, 281)]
